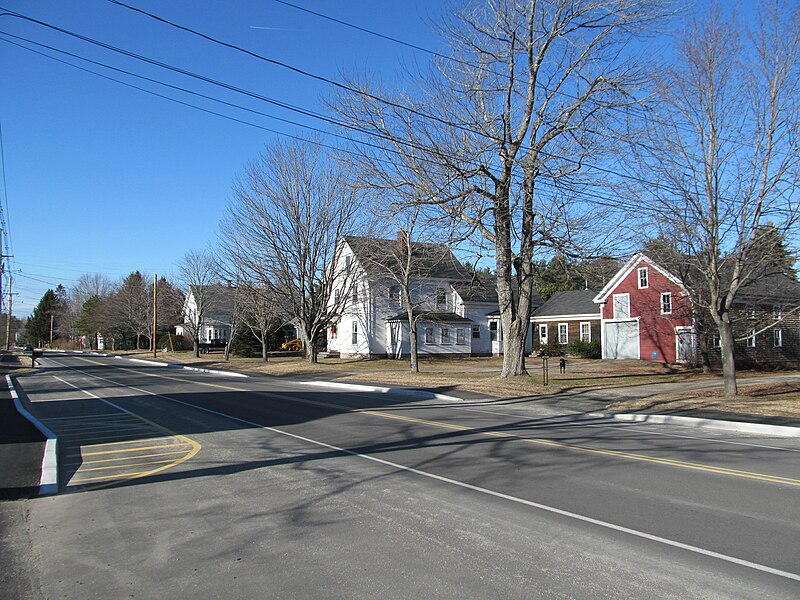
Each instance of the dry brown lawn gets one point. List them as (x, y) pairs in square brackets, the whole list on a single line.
[(776, 399), (480, 375), (469, 374)]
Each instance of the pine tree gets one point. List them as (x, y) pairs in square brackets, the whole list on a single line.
[(37, 328)]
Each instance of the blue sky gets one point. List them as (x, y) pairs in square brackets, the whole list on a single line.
[(103, 178)]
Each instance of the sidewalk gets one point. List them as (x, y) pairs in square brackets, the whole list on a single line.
[(21, 451)]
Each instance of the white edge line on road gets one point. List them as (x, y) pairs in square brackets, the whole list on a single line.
[(475, 488), (48, 482), (740, 426)]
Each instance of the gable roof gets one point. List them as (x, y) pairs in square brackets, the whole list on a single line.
[(573, 302), (220, 298), (626, 269), (775, 287), (480, 287), (379, 257)]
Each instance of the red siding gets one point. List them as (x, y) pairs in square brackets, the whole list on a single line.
[(656, 331)]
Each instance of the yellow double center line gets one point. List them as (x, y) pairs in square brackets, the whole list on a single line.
[(669, 462)]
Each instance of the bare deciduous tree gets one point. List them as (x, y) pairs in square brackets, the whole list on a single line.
[(260, 313), (723, 155), (291, 208), (133, 305), (499, 140), (197, 274)]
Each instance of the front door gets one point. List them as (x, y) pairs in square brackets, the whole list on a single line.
[(686, 345)]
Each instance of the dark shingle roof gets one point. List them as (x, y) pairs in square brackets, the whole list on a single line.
[(379, 257), (220, 299), (772, 287), (425, 316), (482, 288), (574, 302)]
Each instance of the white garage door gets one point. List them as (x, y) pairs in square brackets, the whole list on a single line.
[(621, 339)]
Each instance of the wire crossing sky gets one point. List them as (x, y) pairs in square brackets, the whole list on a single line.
[(110, 171), (126, 122)]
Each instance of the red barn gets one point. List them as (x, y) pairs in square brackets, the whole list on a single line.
[(646, 314)]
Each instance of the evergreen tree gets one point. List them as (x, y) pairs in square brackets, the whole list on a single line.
[(37, 327)]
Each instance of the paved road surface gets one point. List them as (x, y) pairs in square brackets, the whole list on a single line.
[(196, 485)]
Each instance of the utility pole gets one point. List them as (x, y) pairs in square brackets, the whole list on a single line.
[(155, 315), (8, 317), (51, 331)]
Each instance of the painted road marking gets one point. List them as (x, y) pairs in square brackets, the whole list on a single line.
[(135, 438), (515, 499), (667, 462)]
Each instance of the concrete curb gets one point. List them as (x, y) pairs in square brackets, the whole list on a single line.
[(154, 363), (740, 426), (212, 371), (48, 482), (410, 393)]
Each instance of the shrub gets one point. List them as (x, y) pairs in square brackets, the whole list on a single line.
[(584, 349), (552, 349)]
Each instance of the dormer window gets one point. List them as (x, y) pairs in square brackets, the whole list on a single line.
[(441, 298), (643, 279), (394, 295)]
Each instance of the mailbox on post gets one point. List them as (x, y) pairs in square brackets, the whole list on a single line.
[(34, 355)]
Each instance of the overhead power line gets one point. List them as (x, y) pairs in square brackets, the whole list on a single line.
[(273, 101), (297, 70)]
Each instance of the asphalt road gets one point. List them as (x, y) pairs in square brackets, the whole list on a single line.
[(197, 485)]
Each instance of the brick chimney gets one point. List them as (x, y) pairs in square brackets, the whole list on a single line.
[(402, 239)]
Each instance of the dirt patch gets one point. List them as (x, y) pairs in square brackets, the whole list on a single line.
[(777, 399)]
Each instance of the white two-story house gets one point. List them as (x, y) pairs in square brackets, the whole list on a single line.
[(455, 312)]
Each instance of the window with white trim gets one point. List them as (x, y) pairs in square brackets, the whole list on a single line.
[(354, 336), (441, 298), (622, 306), (643, 278), (751, 339), (716, 342), (563, 333), (586, 332), (429, 335), (777, 312), (445, 335), (777, 335), (476, 332), (666, 303), (493, 330), (543, 333), (460, 337), (751, 311), (394, 296)]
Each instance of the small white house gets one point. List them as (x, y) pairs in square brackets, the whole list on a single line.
[(215, 322), (455, 312)]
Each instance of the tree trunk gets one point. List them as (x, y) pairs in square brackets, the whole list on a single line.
[(514, 351), (726, 352), (311, 347), (264, 349), (412, 340), (196, 347)]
